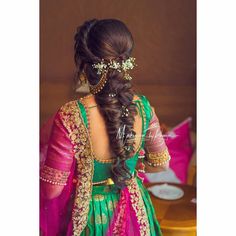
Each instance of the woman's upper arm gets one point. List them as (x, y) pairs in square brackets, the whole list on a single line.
[(56, 169)]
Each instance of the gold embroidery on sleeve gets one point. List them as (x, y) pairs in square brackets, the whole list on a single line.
[(53, 176)]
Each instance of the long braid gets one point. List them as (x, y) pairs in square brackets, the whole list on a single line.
[(110, 39)]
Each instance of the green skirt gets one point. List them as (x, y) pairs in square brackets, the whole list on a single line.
[(103, 204)]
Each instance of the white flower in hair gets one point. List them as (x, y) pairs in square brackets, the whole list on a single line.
[(114, 65), (101, 67), (128, 64)]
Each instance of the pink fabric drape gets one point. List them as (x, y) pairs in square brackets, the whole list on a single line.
[(125, 217), (55, 214), (56, 152)]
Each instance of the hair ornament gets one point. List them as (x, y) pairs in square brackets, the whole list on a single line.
[(125, 111), (94, 89), (112, 95), (103, 67), (123, 66)]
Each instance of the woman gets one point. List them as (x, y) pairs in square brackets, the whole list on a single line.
[(100, 145)]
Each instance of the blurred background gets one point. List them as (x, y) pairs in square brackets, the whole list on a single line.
[(165, 50)]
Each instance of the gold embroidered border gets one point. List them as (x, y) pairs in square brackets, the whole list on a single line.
[(73, 121), (54, 176), (139, 207), (118, 229)]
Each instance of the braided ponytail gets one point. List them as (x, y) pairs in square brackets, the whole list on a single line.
[(110, 39)]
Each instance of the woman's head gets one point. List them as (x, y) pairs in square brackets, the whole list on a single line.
[(103, 39), (107, 39), (110, 39)]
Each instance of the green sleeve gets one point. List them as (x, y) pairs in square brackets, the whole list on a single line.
[(147, 108)]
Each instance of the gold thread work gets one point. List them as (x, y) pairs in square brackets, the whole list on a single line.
[(53, 176), (159, 158), (72, 120)]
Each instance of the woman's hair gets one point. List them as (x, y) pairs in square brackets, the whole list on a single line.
[(110, 39)]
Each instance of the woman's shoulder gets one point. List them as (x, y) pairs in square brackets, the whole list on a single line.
[(67, 111), (147, 105), (68, 114), (69, 106), (141, 97)]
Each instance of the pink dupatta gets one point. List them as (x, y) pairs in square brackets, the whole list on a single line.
[(55, 213), (128, 212)]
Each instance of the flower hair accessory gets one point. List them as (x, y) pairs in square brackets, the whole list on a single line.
[(103, 67), (123, 66)]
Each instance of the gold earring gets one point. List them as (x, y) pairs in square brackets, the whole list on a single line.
[(82, 78), (99, 86)]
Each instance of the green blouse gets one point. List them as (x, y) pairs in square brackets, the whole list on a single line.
[(102, 170), (105, 198)]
